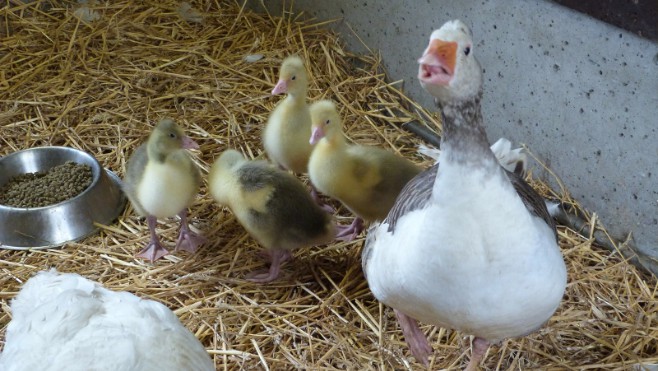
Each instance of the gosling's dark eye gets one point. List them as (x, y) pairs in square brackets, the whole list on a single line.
[(327, 122), (467, 50), (293, 78), (172, 135)]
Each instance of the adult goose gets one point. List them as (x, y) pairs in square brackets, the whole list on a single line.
[(467, 245)]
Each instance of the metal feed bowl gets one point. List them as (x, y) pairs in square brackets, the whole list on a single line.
[(69, 220)]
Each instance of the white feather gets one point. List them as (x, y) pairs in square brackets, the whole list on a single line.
[(431, 152), (66, 322), (252, 58), (507, 157), (553, 208)]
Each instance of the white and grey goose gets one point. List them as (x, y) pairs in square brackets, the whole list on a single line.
[(467, 245)]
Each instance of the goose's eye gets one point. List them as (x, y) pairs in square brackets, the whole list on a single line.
[(467, 50), (293, 78), (172, 135), (327, 122)]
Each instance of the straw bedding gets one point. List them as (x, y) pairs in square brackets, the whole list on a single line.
[(99, 76)]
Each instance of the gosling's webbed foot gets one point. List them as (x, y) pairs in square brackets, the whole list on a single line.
[(350, 232), (153, 251), (189, 241), (275, 257)]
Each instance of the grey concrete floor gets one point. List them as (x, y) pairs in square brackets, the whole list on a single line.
[(580, 93)]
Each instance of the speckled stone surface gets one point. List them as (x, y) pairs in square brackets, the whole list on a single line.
[(582, 94)]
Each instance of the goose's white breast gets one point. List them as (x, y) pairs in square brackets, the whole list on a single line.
[(474, 259)]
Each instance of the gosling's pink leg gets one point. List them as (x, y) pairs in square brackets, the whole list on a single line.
[(316, 197), (415, 338), (349, 233), (267, 256), (277, 257), (480, 347), (153, 250), (187, 239)]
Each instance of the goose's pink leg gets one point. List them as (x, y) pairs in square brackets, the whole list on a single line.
[(480, 347), (415, 338)]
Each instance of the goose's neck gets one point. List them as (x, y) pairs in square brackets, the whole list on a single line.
[(297, 97), (334, 141), (464, 139), (154, 153)]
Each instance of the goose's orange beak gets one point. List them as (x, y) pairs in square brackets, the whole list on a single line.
[(437, 65)]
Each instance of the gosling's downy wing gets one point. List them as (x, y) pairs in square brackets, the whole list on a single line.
[(373, 179), (397, 173), (255, 175), (134, 174), (135, 169), (287, 209)]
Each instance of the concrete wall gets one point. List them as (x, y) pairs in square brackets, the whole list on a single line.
[(583, 95)]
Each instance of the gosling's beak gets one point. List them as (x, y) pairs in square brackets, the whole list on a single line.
[(188, 143), (281, 87), (316, 135)]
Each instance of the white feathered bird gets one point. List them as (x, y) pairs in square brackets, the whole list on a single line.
[(62, 321), (468, 245)]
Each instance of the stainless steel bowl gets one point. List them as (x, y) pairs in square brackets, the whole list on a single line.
[(70, 220)]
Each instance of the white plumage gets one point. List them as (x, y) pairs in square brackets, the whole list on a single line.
[(473, 260), (468, 245), (62, 321)]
